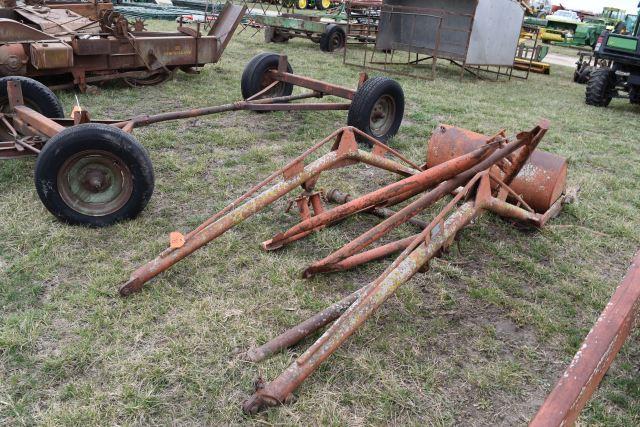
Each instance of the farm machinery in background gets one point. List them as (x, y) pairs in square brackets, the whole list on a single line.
[(613, 70), (64, 46), (570, 28), (612, 18), (95, 173), (304, 4), (564, 28), (355, 20)]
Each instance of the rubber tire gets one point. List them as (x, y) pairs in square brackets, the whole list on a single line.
[(251, 81), (582, 76), (600, 87), (634, 95), (331, 31), (91, 136), (319, 5), (366, 98), (36, 94)]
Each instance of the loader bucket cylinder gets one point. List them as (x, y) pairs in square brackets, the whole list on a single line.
[(540, 183)]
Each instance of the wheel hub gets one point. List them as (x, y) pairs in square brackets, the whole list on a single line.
[(95, 183), (95, 180), (382, 115)]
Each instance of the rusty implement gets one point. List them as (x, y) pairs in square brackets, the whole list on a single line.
[(480, 180), (485, 187), (92, 43), (581, 379), (94, 172)]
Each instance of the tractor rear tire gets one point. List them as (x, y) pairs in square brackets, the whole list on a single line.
[(323, 4), (581, 75), (333, 38), (377, 109), (634, 95), (255, 77), (601, 87), (94, 174), (36, 96)]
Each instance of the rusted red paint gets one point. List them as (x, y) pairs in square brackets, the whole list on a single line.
[(581, 379), (482, 192), (543, 177)]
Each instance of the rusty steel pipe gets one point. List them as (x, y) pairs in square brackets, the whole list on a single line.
[(371, 255), (279, 390), (313, 84), (146, 120), (340, 198), (581, 379), (421, 203), (231, 219), (294, 335)]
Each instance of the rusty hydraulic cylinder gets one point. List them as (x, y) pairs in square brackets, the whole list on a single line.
[(581, 379), (280, 390), (340, 198)]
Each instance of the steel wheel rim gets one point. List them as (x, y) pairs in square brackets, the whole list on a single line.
[(325, 3), (382, 115), (95, 183), (336, 41), (302, 4)]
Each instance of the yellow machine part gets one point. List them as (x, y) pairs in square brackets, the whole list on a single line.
[(548, 36), (536, 67)]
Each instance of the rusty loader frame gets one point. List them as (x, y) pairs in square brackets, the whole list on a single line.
[(482, 173), (97, 184)]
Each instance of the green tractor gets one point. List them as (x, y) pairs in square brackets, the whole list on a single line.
[(308, 4), (622, 75)]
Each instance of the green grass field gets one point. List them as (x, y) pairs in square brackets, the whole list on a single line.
[(478, 340)]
